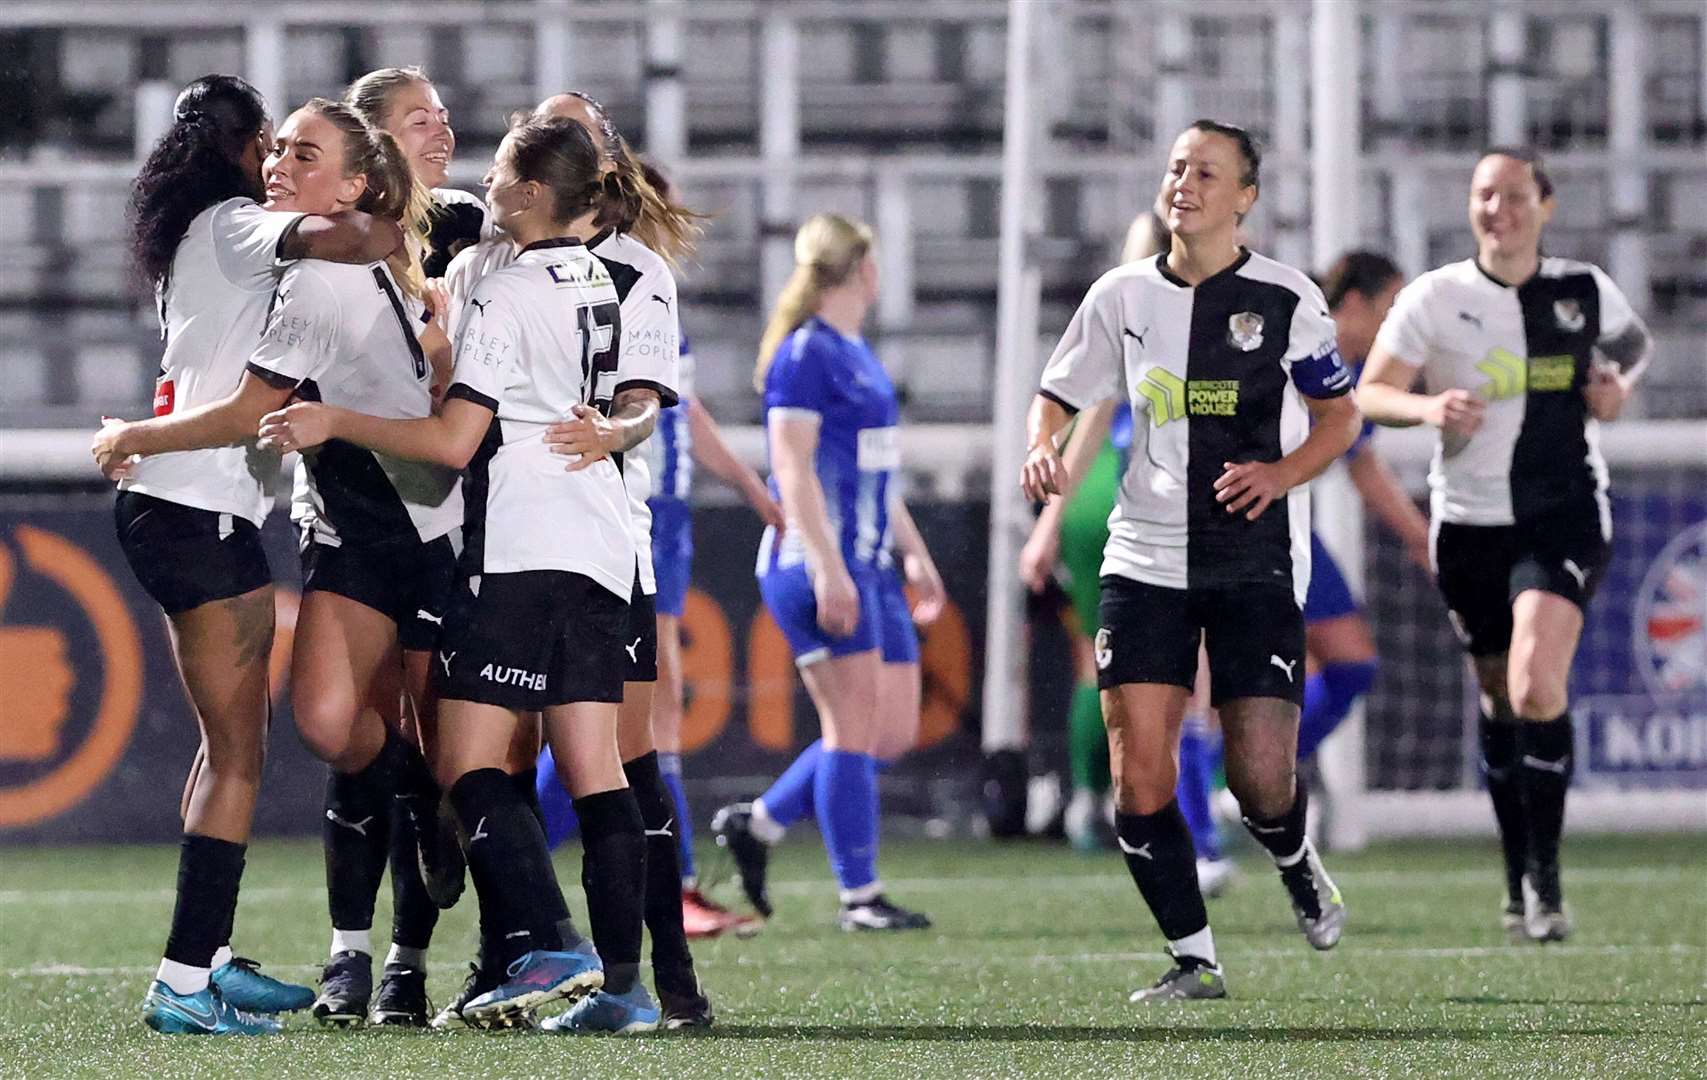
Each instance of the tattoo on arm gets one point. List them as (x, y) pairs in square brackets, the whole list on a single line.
[(636, 412)]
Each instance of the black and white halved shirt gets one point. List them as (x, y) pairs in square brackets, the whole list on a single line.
[(1215, 374), (1526, 349)]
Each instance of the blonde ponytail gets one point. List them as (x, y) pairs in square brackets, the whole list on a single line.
[(827, 250)]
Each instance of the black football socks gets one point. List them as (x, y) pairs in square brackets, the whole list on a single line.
[(672, 963), (1163, 864), (1545, 773), (1500, 739), (613, 872)]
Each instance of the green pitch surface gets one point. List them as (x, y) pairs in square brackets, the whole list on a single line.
[(1026, 974)]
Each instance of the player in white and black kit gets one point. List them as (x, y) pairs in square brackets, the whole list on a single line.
[(1227, 357), (192, 497), (637, 251), (1521, 357), (540, 617), (426, 862), (379, 540)]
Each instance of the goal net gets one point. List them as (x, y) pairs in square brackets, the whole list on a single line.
[(1638, 692)]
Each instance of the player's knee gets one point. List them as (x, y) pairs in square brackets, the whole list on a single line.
[(1262, 793), (324, 727), (1535, 698), (238, 759), (1144, 786)]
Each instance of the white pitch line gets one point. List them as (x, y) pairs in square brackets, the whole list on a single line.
[(1467, 952), (1112, 880)]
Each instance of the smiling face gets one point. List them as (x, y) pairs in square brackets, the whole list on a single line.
[(420, 123), (305, 171), (1507, 210), (1201, 192)]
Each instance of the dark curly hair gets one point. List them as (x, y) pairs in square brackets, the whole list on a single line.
[(195, 165)]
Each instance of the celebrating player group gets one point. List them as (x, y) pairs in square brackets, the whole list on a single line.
[(492, 406)]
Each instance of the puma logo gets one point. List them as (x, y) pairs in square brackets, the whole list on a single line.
[(359, 826), (1142, 850), (665, 831), (1473, 320), (1576, 572), (661, 300), (479, 833), (480, 305), (436, 620), (1137, 336), (1283, 665), (633, 651)]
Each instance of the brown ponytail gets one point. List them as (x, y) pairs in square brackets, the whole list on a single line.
[(827, 250)]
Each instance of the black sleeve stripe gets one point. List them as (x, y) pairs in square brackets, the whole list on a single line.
[(285, 238), (468, 393), (273, 378), (1072, 409), (667, 398)]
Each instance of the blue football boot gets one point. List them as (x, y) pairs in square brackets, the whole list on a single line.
[(243, 986), (602, 1013), (535, 978), (201, 1013)]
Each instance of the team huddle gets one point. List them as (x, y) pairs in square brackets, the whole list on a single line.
[(493, 407)]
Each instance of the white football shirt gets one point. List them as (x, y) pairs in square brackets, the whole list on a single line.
[(213, 306), (347, 335), (539, 336), (651, 339)]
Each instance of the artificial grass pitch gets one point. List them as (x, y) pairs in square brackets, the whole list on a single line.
[(1025, 974)]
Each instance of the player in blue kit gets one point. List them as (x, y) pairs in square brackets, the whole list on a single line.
[(832, 418)]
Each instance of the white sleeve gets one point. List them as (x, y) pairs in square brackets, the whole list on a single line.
[(1087, 366), (246, 241), (1624, 337), (301, 338), (488, 347), (1408, 330), (651, 338), (464, 272)]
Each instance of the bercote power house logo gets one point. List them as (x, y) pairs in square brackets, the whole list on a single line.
[(66, 714)]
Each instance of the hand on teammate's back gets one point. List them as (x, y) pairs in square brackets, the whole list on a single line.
[(300, 426), (587, 435), (113, 465)]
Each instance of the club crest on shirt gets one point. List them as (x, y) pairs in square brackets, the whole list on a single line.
[(1244, 331), (1569, 315)]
